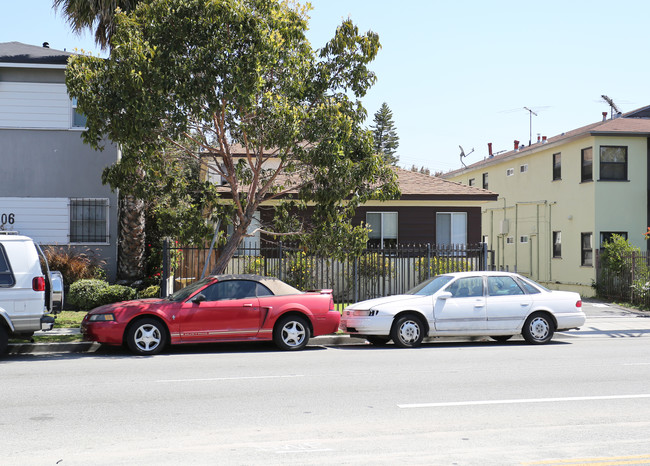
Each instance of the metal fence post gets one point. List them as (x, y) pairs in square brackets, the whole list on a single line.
[(428, 261), (164, 276), (281, 266), (483, 258)]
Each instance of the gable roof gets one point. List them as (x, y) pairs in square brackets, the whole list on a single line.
[(418, 186), (19, 53), (634, 123)]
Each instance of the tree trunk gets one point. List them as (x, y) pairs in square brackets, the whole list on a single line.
[(228, 251), (130, 261)]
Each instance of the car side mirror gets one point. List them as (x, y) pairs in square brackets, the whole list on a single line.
[(199, 298), (444, 295)]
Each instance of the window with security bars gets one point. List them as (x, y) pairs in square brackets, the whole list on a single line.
[(88, 220)]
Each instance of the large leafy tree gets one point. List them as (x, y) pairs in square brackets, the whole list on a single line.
[(385, 134), (211, 76)]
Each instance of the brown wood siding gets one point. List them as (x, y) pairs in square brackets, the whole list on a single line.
[(418, 224)]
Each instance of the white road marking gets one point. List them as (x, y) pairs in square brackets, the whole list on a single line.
[(524, 400), (231, 378)]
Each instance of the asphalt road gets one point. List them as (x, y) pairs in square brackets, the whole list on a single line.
[(578, 400)]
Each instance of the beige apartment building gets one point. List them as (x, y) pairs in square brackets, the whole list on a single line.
[(560, 199)]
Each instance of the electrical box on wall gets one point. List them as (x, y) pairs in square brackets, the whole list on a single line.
[(505, 227)]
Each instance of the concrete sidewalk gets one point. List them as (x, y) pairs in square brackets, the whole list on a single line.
[(603, 321)]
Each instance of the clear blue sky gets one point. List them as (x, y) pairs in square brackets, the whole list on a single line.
[(460, 72)]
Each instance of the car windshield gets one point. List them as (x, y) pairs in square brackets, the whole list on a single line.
[(189, 290), (430, 286)]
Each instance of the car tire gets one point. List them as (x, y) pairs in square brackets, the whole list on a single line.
[(146, 337), (378, 340), (539, 328), (291, 333), (407, 331), (501, 338), (4, 340)]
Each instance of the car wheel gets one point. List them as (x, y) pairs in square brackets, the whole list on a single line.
[(291, 333), (4, 340), (502, 338), (407, 332), (378, 340), (538, 328), (146, 337)]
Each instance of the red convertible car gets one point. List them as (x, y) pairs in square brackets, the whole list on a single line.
[(217, 308)]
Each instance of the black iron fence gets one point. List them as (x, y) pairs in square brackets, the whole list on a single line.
[(626, 280), (374, 273)]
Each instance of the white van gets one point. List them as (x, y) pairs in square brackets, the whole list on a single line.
[(29, 292)]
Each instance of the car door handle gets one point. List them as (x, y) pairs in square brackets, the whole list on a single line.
[(248, 305)]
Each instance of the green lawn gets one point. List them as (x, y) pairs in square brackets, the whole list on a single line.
[(69, 319)]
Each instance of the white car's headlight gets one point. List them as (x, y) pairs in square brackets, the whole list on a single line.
[(361, 313)]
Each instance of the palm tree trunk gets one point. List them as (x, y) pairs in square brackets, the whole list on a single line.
[(131, 241)]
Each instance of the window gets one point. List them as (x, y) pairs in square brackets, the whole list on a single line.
[(503, 286), (383, 226), (586, 249), (606, 236), (472, 182), (510, 172), (523, 168), (230, 289), (7, 279), (586, 158), (523, 239), (451, 228), (510, 240), (89, 220), (485, 181), (78, 118), (557, 166), (469, 287), (613, 163), (557, 244)]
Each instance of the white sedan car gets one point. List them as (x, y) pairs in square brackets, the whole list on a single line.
[(494, 304)]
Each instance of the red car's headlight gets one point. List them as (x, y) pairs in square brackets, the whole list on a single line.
[(102, 318)]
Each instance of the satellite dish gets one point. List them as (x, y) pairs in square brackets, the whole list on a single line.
[(463, 155)]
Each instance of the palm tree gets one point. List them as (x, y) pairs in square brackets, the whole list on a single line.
[(99, 15), (94, 14)]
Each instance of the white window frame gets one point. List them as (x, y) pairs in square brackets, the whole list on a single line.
[(382, 237), (523, 168), (73, 106), (453, 233), (510, 172), (510, 240), (523, 239)]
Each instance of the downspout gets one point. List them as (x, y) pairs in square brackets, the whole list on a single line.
[(516, 237), (550, 235), (503, 237)]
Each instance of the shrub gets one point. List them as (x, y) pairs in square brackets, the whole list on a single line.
[(152, 291), (74, 265), (441, 264), (115, 294), (84, 294), (299, 270), (615, 252)]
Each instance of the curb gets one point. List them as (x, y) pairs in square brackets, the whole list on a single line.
[(324, 340)]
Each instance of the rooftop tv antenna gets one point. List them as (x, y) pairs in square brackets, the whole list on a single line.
[(463, 154), (530, 125), (612, 105)]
